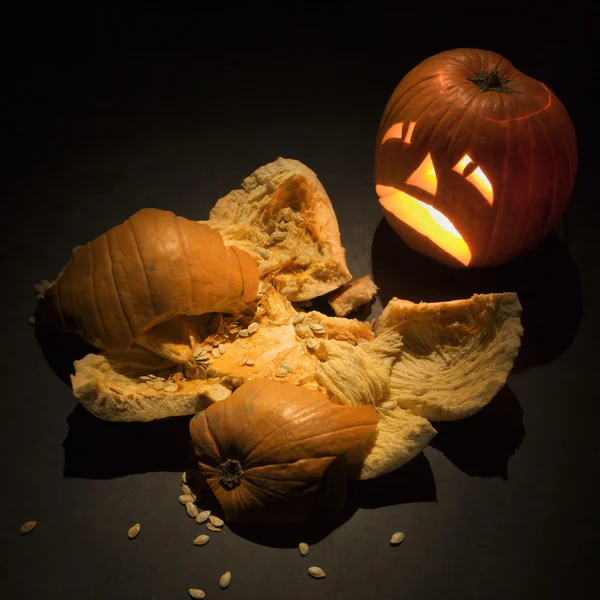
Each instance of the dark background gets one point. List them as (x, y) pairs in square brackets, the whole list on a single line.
[(110, 109)]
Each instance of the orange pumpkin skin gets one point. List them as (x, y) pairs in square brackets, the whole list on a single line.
[(264, 449), (516, 131), (143, 272)]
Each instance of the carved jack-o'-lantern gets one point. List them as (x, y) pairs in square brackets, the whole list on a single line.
[(475, 162)]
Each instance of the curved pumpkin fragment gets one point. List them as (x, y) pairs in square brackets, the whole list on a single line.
[(456, 355), (283, 217), (116, 386), (264, 450), (143, 272)]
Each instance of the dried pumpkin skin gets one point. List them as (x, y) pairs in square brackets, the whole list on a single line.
[(143, 272), (264, 449)]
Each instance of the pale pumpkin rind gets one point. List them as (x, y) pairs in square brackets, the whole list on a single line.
[(143, 272), (263, 450), (283, 217)]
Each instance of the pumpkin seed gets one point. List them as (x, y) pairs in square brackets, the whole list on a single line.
[(150, 383), (184, 477), (264, 266), (298, 318), (225, 579), (185, 490), (281, 373), (198, 350), (277, 236), (201, 540), (212, 527), (38, 287), (222, 348), (397, 538), (243, 333), (28, 526), (158, 385), (151, 375), (271, 226), (316, 572), (419, 391), (264, 253), (253, 327), (203, 358), (216, 521), (285, 365), (31, 320), (288, 213), (191, 509), (243, 361), (196, 593), (301, 330), (133, 531), (299, 219), (185, 499), (270, 186), (316, 326), (170, 388), (311, 343), (249, 362), (390, 404), (236, 382), (203, 516), (145, 378), (216, 352), (199, 373), (303, 548)]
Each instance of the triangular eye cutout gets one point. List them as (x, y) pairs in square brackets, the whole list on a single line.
[(424, 176)]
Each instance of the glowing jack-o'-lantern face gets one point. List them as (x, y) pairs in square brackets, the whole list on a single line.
[(463, 164)]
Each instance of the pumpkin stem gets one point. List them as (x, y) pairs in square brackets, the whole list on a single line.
[(231, 474), (491, 82)]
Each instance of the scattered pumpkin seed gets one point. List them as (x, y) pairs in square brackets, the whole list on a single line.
[(250, 362), (198, 350), (31, 320), (222, 348), (201, 540), (390, 404), (38, 287), (158, 385), (298, 318), (225, 579), (28, 526), (264, 253), (243, 333), (145, 378), (316, 326), (303, 548), (236, 382), (316, 572), (419, 391), (311, 343), (216, 352), (299, 219), (242, 362), (216, 521), (202, 516), (271, 226), (212, 527), (186, 490), (277, 236), (185, 499), (170, 388), (192, 510), (196, 593), (151, 375), (270, 186), (253, 328), (288, 213), (133, 531), (281, 372), (184, 477), (397, 538), (285, 365)]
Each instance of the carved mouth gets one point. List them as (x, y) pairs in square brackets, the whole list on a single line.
[(426, 220)]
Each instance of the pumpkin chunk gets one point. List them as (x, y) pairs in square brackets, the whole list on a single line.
[(456, 355), (263, 450), (353, 295), (283, 217)]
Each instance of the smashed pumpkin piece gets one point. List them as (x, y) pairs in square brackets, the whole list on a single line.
[(455, 355), (283, 217), (143, 272), (138, 385), (352, 296), (264, 450)]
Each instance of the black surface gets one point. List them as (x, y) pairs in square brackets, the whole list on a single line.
[(107, 110)]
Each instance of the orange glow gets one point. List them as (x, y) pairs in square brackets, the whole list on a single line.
[(460, 166), (411, 127), (394, 132), (424, 176), (476, 178), (482, 183), (426, 220)]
